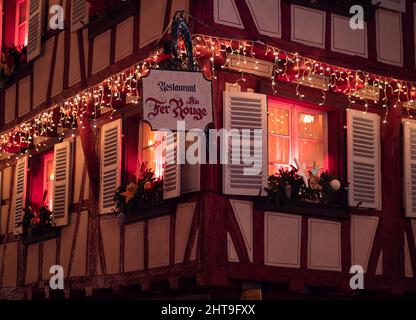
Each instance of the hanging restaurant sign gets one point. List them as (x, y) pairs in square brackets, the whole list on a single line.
[(172, 96)]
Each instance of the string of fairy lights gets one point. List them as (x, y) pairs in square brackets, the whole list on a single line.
[(112, 93)]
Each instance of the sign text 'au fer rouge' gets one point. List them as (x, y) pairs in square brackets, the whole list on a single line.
[(172, 96)]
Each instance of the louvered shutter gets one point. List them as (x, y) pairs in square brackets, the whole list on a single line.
[(246, 110), (409, 168), (363, 141), (34, 43), (62, 182), (20, 193), (79, 14), (110, 164), (172, 171)]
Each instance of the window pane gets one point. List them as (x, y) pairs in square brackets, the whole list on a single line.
[(48, 183), (152, 150), (22, 35), (279, 140), (22, 12), (310, 152), (310, 126), (148, 135), (49, 170), (278, 121), (148, 155), (279, 150)]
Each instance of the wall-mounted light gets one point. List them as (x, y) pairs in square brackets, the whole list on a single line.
[(307, 118)]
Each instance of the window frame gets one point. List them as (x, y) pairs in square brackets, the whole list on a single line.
[(18, 25), (294, 110), (46, 158), (36, 176), (157, 144)]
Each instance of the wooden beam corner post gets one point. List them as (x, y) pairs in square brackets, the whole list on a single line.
[(89, 142), (214, 239)]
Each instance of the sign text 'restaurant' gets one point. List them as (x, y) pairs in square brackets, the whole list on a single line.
[(171, 96)]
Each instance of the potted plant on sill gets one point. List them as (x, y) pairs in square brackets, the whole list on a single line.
[(11, 59), (36, 222), (144, 193)]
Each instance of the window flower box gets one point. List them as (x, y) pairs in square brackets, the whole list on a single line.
[(142, 199), (148, 212), (43, 234), (304, 192), (37, 225), (311, 209)]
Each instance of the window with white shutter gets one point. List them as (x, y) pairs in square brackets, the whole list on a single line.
[(363, 141), (409, 166), (34, 42), (110, 164), (246, 110), (151, 148), (20, 185), (62, 182), (79, 14), (154, 152), (172, 171)]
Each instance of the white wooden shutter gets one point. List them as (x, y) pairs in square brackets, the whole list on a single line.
[(245, 110), (110, 164), (363, 141), (20, 184), (62, 182), (409, 166), (34, 42), (79, 14), (172, 171)]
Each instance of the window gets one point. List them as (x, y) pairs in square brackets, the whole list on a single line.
[(21, 23), (16, 16), (48, 177), (296, 132), (41, 180), (151, 148)]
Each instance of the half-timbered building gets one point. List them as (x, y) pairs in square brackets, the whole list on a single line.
[(73, 129)]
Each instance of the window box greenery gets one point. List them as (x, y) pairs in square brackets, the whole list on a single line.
[(37, 225), (140, 199), (304, 192)]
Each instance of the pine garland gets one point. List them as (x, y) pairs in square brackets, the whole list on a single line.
[(287, 189)]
